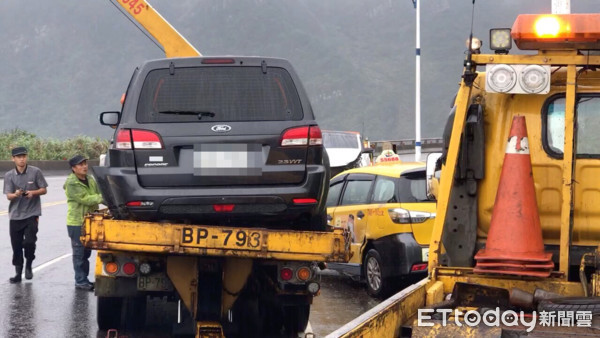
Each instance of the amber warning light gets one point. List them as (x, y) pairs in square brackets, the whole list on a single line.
[(560, 31)]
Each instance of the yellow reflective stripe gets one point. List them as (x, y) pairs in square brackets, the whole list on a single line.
[(49, 204)]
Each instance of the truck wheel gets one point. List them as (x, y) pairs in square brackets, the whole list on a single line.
[(296, 319), (135, 312), (377, 285), (109, 312)]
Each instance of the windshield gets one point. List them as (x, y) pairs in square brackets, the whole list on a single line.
[(215, 94)]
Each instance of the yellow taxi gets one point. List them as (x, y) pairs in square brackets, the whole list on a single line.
[(390, 218)]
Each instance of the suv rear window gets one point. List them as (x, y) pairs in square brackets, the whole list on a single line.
[(218, 94)]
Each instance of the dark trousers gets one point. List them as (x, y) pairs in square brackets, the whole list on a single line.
[(81, 255), (23, 235)]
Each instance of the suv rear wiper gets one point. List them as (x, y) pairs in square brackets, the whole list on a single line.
[(200, 114)]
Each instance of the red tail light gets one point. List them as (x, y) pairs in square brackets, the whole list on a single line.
[(142, 139), (419, 267), (129, 268), (302, 136), (286, 273), (123, 140), (217, 61), (304, 201), (316, 138), (139, 203), (223, 207)]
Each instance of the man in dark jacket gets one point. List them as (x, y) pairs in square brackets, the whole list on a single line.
[(83, 196), (23, 187)]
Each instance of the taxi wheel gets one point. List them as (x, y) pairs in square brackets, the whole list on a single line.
[(377, 285), (109, 312)]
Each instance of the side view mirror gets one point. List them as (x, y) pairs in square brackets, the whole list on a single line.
[(110, 118), (432, 175)]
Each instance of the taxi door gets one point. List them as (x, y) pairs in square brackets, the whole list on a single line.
[(352, 211)]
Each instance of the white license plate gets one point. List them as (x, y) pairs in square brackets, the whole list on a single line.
[(154, 282), (229, 239), (425, 254), (227, 159)]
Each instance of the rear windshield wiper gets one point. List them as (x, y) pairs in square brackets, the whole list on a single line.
[(200, 114)]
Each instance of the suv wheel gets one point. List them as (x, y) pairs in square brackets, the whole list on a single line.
[(377, 285)]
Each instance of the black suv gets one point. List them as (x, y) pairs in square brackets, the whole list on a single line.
[(228, 140)]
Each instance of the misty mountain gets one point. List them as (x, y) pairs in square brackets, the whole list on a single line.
[(63, 62)]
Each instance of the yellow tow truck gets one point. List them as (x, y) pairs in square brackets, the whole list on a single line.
[(224, 280), (524, 263)]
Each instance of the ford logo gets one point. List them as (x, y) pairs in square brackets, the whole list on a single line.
[(220, 128)]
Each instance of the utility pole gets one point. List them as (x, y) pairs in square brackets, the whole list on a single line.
[(418, 83)]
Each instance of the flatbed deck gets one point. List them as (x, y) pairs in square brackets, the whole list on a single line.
[(103, 233)]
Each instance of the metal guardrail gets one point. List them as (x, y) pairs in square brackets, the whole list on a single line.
[(406, 145)]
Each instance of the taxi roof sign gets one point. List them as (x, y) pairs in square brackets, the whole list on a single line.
[(557, 31)]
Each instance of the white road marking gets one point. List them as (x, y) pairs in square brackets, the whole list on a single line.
[(44, 205), (55, 260)]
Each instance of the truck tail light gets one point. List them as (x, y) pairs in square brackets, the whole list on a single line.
[(303, 274), (139, 138), (111, 268), (286, 274), (129, 268), (302, 136)]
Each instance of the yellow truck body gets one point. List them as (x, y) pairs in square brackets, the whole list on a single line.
[(564, 146)]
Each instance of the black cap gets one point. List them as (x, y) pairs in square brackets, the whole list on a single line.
[(19, 151), (75, 160)]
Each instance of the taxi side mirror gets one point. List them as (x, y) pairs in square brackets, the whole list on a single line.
[(432, 173)]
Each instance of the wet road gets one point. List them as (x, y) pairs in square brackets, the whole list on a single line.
[(50, 306)]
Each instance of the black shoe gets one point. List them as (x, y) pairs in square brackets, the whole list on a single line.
[(17, 277), (28, 273), (87, 286)]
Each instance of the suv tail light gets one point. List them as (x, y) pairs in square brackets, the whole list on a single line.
[(316, 137), (142, 139), (302, 136)]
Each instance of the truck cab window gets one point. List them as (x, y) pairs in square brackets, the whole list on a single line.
[(588, 118)]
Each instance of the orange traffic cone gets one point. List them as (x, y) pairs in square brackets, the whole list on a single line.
[(515, 244)]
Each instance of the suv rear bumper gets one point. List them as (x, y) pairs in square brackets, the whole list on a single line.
[(399, 253), (252, 203)]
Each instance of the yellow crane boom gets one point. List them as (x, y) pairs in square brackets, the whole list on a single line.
[(173, 43)]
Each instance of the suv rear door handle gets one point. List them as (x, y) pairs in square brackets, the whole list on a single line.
[(360, 214)]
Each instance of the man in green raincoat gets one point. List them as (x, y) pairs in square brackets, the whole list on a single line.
[(83, 196)]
